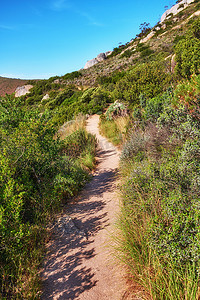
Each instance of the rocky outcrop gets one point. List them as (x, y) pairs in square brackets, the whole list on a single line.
[(46, 97), (175, 9), (23, 90), (91, 63), (148, 37), (100, 57), (173, 63)]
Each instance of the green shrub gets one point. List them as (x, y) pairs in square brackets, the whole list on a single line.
[(35, 178), (148, 78), (187, 52), (72, 75), (128, 53), (113, 78), (161, 214)]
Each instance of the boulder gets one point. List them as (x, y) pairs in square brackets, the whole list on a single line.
[(148, 37), (100, 57), (46, 97), (91, 63), (23, 90), (108, 53), (175, 9)]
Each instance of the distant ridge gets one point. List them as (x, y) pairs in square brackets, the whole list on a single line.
[(9, 85)]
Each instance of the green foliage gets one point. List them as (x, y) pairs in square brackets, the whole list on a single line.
[(109, 129), (128, 53), (160, 212), (35, 178), (87, 95), (188, 52), (99, 100), (114, 110), (152, 108), (144, 50), (114, 78), (72, 75), (61, 97), (148, 78), (188, 94)]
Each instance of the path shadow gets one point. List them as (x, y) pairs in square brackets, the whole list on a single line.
[(103, 181), (64, 274)]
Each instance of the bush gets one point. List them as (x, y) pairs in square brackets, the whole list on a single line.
[(187, 52), (72, 75), (160, 209), (36, 177), (128, 53), (148, 78)]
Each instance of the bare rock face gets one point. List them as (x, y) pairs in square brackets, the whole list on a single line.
[(148, 37), (176, 9), (91, 63), (173, 63), (46, 97), (100, 57), (23, 90)]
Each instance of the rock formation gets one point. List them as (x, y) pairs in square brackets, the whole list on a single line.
[(148, 37), (176, 9), (46, 97), (23, 90), (100, 57)]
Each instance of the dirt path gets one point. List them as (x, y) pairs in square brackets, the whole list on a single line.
[(79, 263)]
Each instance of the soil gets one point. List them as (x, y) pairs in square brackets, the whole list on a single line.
[(80, 263)]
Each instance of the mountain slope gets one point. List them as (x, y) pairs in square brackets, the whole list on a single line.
[(9, 85)]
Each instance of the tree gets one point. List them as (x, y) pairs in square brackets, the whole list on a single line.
[(144, 29)]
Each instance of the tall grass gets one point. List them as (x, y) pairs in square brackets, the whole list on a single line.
[(160, 278), (159, 220), (71, 126), (114, 130)]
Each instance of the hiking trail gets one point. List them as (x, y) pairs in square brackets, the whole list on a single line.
[(79, 263)]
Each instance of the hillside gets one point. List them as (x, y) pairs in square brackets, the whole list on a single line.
[(147, 96), (88, 90), (9, 85)]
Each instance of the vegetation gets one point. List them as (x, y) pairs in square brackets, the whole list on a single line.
[(144, 29), (38, 173), (114, 130), (160, 209), (160, 169), (42, 164), (188, 52)]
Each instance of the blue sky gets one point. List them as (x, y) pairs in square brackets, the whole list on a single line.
[(44, 38)]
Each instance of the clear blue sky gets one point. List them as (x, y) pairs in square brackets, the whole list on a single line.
[(44, 38)]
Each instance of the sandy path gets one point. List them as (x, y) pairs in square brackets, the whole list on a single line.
[(79, 263)]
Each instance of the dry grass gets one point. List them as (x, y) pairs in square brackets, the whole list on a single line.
[(71, 126), (114, 130)]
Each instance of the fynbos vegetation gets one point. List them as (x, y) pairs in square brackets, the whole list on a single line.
[(38, 173), (41, 168)]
